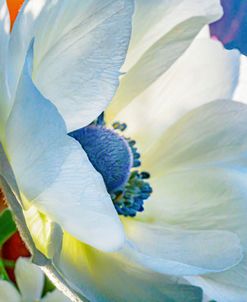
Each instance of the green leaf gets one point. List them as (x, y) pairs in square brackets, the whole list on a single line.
[(8, 263), (3, 273), (7, 226), (48, 287)]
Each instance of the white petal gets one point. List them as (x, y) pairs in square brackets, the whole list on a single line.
[(162, 31), (240, 94), (4, 38), (30, 279), (40, 228), (4, 33), (204, 73), (220, 292), (153, 20), (211, 134), (76, 59), (170, 250), (198, 173), (8, 292), (205, 198), (54, 173), (112, 277), (6, 171), (55, 296)]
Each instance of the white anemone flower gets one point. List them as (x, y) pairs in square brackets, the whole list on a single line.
[(193, 225), (192, 228), (90, 38), (30, 280)]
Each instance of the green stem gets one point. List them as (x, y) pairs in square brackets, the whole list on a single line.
[(3, 273), (8, 263)]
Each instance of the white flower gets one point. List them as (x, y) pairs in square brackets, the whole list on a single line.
[(193, 226), (30, 281), (75, 63)]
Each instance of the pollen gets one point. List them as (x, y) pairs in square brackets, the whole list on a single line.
[(14, 7)]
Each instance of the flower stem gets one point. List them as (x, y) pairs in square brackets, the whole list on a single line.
[(3, 273), (8, 263)]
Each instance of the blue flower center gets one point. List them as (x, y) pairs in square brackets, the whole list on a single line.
[(116, 158), (108, 152)]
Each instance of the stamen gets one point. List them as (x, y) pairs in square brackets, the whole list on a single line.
[(130, 199), (100, 120), (136, 155), (116, 158)]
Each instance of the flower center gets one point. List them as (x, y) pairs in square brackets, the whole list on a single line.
[(108, 152), (116, 158)]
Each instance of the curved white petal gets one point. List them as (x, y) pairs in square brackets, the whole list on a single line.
[(77, 58), (40, 228), (153, 20), (174, 251), (8, 292), (112, 277), (240, 94), (199, 179), (54, 173), (4, 33), (220, 292), (30, 279), (210, 135), (204, 73), (55, 296), (162, 31), (206, 198), (4, 38)]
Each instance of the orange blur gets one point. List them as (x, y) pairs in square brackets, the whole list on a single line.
[(14, 7), (3, 204)]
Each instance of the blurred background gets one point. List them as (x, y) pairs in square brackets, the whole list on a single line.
[(232, 28)]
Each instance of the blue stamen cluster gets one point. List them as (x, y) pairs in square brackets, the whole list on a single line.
[(132, 143), (117, 159), (129, 199)]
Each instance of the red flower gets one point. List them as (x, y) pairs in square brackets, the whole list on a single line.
[(12, 250)]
